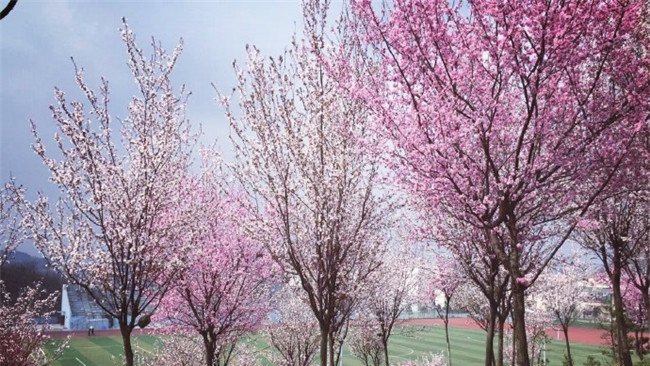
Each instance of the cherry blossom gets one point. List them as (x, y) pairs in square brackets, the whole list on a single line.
[(619, 241), (118, 179), (392, 289), (224, 289), (295, 335), (510, 118), (562, 290), (22, 341), (444, 281), (301, 155)]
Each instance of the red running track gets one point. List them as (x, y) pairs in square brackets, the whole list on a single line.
[(591, 336)]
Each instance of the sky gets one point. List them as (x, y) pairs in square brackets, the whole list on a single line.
[(38, 38)]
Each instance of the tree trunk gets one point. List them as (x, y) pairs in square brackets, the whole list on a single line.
[(514, 347), (642, 351), (447, 332), (500, 343), (343, 333), (384, 343), (646, 302), (638, 342), (125, 330), (565, 330), (622, 344), (324, 337), (489, 342), (209, 348), (331, 349), (646, 299), (519, 324)]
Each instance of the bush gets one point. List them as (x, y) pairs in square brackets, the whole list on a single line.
[(644, 362), (433, 360), (591, 361)]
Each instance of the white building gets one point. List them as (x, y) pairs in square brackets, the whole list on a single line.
[(80, 311)]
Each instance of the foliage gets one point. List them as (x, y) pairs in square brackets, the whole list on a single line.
[(644, 362)]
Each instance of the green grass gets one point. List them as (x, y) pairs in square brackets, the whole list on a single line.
[(99, 351), (407, 343)]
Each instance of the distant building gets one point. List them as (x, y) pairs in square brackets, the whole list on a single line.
[(601, 300), (80, 311)]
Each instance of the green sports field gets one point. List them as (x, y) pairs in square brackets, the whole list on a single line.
[(407, 343)]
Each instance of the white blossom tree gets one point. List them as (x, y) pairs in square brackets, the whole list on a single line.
[(295, 336), (391, 291), (432, 360), (444, 280), (366, 345), (11, 230), (301, 153), (110, 231), (562, 291), (184, 350)]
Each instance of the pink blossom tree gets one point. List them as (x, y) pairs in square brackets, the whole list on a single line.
[(638, 275), (302, 155), (109, 232), (22, 342), (173, 350), (635, 309), (511, 118), (224, 289), (184, 350)]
